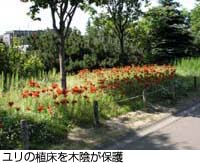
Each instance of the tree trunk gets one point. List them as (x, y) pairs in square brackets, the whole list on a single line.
[(122, 58), (62, 61)]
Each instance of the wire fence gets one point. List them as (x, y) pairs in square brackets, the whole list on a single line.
[(145, 94)]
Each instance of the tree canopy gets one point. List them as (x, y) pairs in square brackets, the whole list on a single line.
[(195, 24), (62, 13), (170, 37), (122, 13)]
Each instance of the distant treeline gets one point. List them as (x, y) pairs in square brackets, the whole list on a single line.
[(162, 34)]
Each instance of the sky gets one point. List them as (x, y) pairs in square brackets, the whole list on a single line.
[(13, 16)]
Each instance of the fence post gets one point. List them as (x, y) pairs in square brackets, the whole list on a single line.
[(25, 134), (174, 95), (195, 82), (96, 114), (1, 122), (144, 98)]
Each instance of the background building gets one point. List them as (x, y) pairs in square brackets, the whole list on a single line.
[(8, 36)]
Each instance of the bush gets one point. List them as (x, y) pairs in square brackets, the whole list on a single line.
[(3, 57), (9, 132), (33, 65), (41, 134)]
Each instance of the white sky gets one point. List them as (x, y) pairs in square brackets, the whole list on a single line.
[(13, 16)]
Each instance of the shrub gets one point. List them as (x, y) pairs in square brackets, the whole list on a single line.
[(33, 65)]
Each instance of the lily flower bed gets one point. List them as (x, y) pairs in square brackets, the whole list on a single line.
[(52, 111)]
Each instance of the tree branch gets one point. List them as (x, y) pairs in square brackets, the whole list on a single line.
[(66, 6), (53, 11), (70, 16)]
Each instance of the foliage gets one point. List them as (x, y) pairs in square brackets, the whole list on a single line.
[(188, 66), (102, 42), (14, 60), (33, 65), (195, 25), (9, 132), (169, 34), (3, 58), (39, 132), (44, 44), (62, 13), (139, 37), (122, 13), (160, 36)]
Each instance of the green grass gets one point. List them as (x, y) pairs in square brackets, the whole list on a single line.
[(188, 67)]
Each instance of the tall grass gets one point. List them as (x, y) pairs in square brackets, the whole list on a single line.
[(2, 78), (15, 81), (188, 67)]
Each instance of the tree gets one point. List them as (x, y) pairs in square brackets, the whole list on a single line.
[(62, 12), (44, 44), (122, 13), (4, 58), (195, 25), (139, 38), (169, 32), (102, 41)]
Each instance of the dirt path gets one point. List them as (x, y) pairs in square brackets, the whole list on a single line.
[(116, 129), (183, 134)]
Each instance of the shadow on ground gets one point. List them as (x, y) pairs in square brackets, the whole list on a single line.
[(118, 136), (163, 139), (129, 139)]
